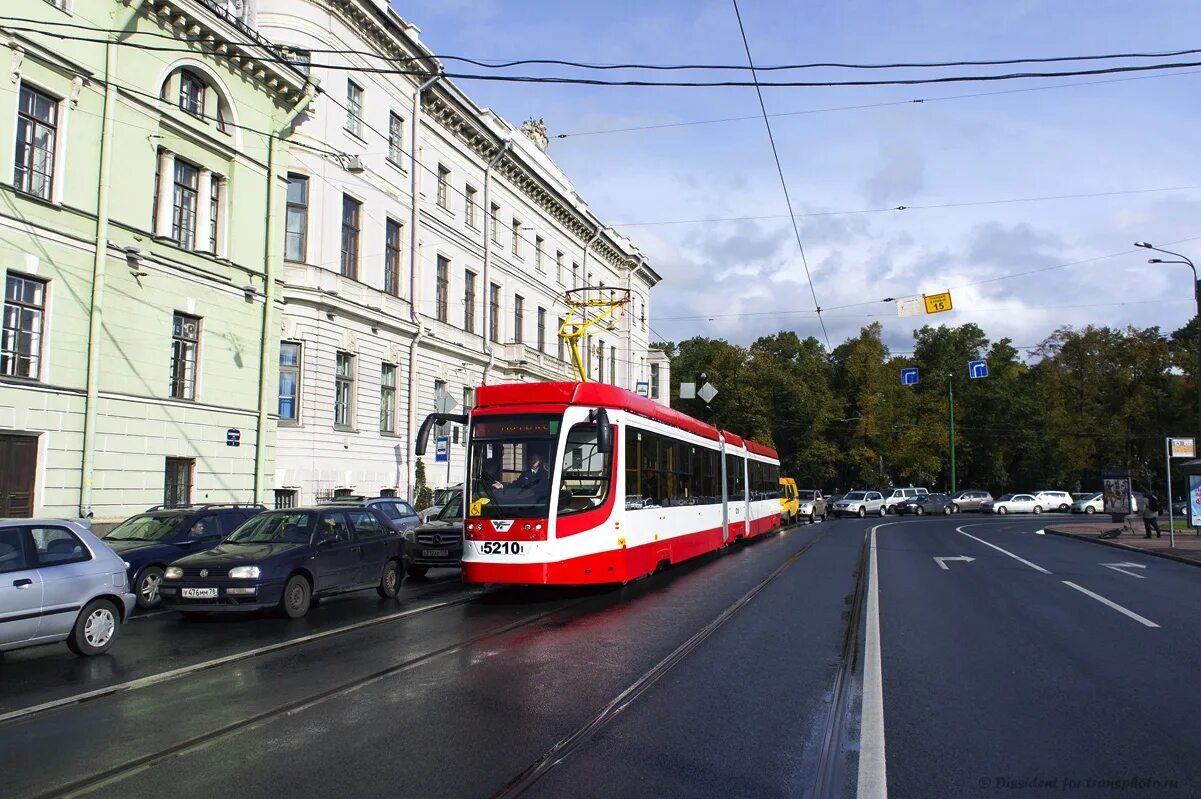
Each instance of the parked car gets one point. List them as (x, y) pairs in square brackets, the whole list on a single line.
[(441, 497), (1180, 508), (1090, 503), (927, 503), (151, 540), (60, 583), (285, 558), (789, 504), (439, 542), (970, 499), (812, 505), (1013, 503), (893, 497), (399, 515), (860, 503), (1054, 500)]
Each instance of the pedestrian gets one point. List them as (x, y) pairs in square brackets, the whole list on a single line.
[(1151, 514)]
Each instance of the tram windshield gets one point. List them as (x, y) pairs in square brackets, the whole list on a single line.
[(510, 469)]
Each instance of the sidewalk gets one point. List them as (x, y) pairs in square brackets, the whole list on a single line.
[(1187, 549)]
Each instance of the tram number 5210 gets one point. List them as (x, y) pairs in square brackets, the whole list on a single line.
[(500, 548)]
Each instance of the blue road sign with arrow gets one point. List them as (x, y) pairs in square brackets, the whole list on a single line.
[(977, 369), (909, 376)]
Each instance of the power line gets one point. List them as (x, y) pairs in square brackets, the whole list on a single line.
[(796, 229)]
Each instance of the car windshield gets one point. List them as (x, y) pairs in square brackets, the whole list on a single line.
[(508, 470), (855, 495), (149, 527), (806, 496), (1005, 498), (453, 509), (275, 528), (1091, 497)]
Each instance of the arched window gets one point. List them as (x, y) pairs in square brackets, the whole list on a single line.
[(194, 94)]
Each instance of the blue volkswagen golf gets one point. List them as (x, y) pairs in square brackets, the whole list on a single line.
[(284, 559)]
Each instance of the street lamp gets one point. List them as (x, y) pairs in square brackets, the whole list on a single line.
[(951, 427), (1181, 259)]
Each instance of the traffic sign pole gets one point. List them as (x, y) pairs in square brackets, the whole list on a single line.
[(951, 426)]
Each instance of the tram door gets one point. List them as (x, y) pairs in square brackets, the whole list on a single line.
[(725, 505)]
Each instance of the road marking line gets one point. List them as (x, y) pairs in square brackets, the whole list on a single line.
[(183, 671), (873, 777), (942, 561), (1121, 567), (1034, 566), (1114, 605)]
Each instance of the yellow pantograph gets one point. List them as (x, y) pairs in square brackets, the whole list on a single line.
[(587, 308)]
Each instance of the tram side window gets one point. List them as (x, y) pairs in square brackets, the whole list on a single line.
[(585, 473), (734, 476), (662, 472)]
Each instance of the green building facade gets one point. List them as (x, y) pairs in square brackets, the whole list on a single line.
[(142, 179)]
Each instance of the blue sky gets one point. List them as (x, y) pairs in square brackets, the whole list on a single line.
[(741, 279)]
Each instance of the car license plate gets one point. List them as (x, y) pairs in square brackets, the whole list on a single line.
[(199, 593), (435, 553)]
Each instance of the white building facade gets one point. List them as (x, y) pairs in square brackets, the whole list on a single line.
[(428, 246)]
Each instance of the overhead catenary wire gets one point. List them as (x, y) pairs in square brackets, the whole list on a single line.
[(796, 228)]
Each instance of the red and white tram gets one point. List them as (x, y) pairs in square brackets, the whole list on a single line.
[(629, 485)]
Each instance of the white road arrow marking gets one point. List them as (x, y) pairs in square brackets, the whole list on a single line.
[(942, 562), (1121, 567)]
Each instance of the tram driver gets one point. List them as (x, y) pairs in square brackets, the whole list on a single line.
[(534, 481)]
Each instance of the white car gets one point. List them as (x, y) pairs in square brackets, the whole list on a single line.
[(1094, 503), (1013, 503), (1054, 500), (894, 497), (860, 503)]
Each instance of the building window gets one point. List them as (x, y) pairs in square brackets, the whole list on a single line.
[(37, 133), (642, 305), (443, 186), (560, 347), (469, 301), (442, 289), (185, 350), (344, 391), (470, 193), (538, 242), (494, 313), (354, 108), (191, 94), (541, 330), (297, 221), (178, 482), (351, 210), (183, 206), (575, 275), (289, 381), (396, 138), (285, 498), (392, 235), (559, 267), (517, 237), (214, 212), (654, 381), (492, 222), (518, 318), (24, 318), (387, 398)]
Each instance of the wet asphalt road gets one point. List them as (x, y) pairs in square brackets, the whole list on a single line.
[(994, 671)]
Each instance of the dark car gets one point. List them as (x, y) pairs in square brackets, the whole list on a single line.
[(438, 542), (285, 558), (927, 503), (149, 541), (399, 514)]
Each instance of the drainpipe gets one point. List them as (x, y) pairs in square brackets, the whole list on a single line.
[(505, 146), (630, 322), (268, 333), (100, 261), (414, 266)]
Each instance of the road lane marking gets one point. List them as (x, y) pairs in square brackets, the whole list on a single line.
[(873, 777), (1034, 566), (183, 671), (1121, 567), (1114, 605), (942, 561)]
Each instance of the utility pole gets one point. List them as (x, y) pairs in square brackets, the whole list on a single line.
[(951, 427)]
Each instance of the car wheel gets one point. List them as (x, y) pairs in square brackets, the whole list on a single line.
[(1001, 510), (416, 571), (812, 516), (1038, 509), (954, 508), (389, 582), (297, 597), (917, 511), (95, 628), (948, 510), (883, 511), (147, 587), (1089, 509), (1064, 508), (862, 512)]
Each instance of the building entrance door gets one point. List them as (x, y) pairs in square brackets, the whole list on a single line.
[(18, 468)]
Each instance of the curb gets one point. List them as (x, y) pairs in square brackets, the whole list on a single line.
[(1116, 545)]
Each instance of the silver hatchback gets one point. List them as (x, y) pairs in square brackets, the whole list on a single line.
[(58, 582)]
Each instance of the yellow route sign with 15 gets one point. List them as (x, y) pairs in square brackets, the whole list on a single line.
[(937, 303)]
